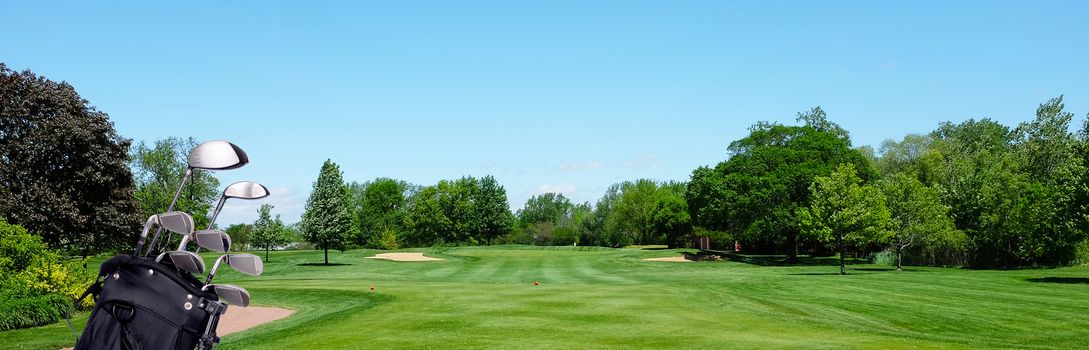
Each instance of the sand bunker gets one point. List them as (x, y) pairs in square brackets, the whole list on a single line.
[(238, 319), (670, 259), (403, 257)]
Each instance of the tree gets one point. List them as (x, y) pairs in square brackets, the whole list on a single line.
[(672, 220), (492, 211), (63, 168), (633, 216), (546, 207), (843, 209), (756, 193), (158, 169), (381, 207), (327, 219), (917, 214), (268, 232), (241, 236)]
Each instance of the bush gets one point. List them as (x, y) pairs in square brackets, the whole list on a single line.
[(35, 311), (36, 285)]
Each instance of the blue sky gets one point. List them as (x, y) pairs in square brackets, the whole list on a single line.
[(546, 96)]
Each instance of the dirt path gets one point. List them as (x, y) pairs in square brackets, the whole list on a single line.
[(403, 257), (238, 319)]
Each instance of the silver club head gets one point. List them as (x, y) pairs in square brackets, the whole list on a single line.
[(176, 221), (217, 155), (185, 261), (245, 190), (214, 240), (246, 263), (232, 294)]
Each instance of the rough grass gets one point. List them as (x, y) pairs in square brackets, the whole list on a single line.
[(610, 298)]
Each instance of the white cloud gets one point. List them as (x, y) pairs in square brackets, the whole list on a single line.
[(643, 161), (576, 166)]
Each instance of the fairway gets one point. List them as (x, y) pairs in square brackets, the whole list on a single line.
[(484, 297)]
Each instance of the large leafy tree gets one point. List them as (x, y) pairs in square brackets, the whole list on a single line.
[(918, 217), (492, 210), (546, 207), (327, 219), (633, 217), (158, 169), (63, 168), (756, 193), (672, 220), (381, 208), (845, 210)]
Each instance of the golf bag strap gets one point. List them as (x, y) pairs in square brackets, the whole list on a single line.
[(95, 289)]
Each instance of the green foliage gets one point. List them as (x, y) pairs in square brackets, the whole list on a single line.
[(327, 219), (241, 236), (268, 232), (545, 207), (36, 286), (159, 168), (389, 240), (757, 192), (920, 223), (33, 311), (380, 205), (466, 211), (63, 167), (844, 210)]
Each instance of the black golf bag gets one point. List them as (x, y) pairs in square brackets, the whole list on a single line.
[(141, 304)]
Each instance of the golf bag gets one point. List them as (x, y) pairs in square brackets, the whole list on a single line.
[(141, 304)]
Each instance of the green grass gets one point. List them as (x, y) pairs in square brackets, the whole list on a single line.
[(609, 298)]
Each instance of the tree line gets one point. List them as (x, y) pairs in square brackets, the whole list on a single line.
[(975, 193)]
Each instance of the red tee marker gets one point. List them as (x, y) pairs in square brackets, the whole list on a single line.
[(535, 283)]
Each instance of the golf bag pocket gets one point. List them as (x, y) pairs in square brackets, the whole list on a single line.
[(145, 305)]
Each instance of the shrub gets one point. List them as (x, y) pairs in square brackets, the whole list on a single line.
[(24, 312), (36, 285)]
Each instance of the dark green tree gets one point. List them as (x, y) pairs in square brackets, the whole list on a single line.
[(327, 219), (492, 211), (382, 207), (63, 168), (756, 193)]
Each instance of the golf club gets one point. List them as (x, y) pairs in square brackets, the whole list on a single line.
[(241, 190), (185, 261), (214, 240), (211, 155), (245, 263), (173, 221), (232, 294)]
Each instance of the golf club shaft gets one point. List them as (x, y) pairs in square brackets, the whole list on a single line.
[(143, 234), (155, 240), (215, 268)]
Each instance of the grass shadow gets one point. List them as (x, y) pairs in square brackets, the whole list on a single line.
[(323, 264), (783, 260), (1063, 280)]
